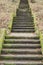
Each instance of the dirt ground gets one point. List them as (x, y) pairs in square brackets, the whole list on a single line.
[(37, 8), (6, 8)]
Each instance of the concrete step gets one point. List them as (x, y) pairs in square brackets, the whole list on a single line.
[(26, 14), (21, 24), (22, 30), (21, 56), (23, 7), (23, 10), (15, 36), (22, 40), (23, 35), (23, 14), (23, 27), (22, 20), (24, 2), (21, 62), (21, 45), (21, 51)]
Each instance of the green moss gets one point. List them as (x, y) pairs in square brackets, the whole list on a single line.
[(41, 41), (11, 21), (2, 35)]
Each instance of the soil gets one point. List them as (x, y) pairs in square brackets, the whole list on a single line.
[(7, 7), (37, 8)]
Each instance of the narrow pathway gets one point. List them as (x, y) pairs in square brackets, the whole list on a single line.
[(22, 46)]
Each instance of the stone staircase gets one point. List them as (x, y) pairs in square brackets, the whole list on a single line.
[(23, 21), (22, 46)]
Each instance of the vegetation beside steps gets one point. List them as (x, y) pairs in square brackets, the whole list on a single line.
[(2, 35), (41, 41), (10, 22), (40, 34)]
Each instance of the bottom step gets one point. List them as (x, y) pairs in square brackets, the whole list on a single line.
[(22, 62)]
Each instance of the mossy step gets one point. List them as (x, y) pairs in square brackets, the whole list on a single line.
[(21, 46), (25, 18), (18, 52), (19, 10), (19, 18), (21, 62), (24, 14), (21, 23), (24, 1), (21, 51), (24, 11), (23, 37), (22, 40), (21, 57), (24, 5), (22, 30)]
